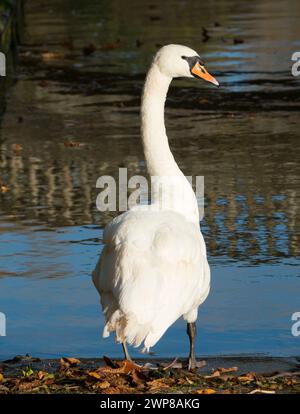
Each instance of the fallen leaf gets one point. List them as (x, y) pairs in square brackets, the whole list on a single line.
[(225, 370), (189, 381), (41, 374), (69, 361), (292, 381), (1, 377), (220, 371), (103, 385), (4, 389), (94, 374), (109, 362), (138, 377), (157, 383), (128, 366), (247, 377), (26, 386), (206, 391), (183, 381), (227, 392), (118, 390)]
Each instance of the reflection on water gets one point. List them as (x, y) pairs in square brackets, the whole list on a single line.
[(243, 138)]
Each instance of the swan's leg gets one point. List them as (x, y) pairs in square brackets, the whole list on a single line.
[(125, 350), (191, 331)]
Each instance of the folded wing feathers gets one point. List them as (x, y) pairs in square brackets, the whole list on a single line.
[(152, 271)]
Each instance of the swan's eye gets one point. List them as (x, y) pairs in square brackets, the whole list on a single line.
[(184, 57)]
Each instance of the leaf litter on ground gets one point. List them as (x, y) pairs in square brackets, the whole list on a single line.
[(71, 375)]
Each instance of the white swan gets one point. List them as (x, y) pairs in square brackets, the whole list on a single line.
[(153, 268)]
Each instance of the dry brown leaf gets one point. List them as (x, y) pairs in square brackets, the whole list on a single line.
[(206, 391), (189, 381), (69, 361), (130, 367), (109, 362), (1, 377), (160, 383), (227, 392), (250, 376), (126, 367), (94, 374), (26, 386), (183, 381), (220, 371), (213, 375), (41, 374), (118, 390), (291, 381), (103, 385), (138, 377), (225, 370)]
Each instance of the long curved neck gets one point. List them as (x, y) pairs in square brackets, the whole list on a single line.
[(178, 194), (159, 158)]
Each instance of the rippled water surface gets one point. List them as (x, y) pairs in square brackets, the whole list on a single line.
[(243, 137)]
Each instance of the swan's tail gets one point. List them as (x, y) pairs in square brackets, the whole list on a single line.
[(127, 328)]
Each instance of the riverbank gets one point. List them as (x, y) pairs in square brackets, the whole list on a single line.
[(220, 375)]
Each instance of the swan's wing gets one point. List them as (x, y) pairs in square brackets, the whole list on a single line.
[(153, 270)]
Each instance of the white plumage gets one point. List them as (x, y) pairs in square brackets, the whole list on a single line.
[(153, 268)]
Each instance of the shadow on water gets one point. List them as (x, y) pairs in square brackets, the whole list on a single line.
[(80, 75)]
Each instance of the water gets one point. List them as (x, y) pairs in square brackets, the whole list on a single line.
[(242, 137)]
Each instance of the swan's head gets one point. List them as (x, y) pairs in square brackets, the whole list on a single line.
[(180, 61)]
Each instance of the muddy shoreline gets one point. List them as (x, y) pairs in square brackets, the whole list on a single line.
[(219, 375), (258, 364)]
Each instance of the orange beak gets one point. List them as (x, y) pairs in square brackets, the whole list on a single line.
[(201, 72)]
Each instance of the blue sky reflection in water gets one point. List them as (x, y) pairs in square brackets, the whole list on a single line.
[(243, 138)]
